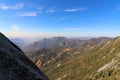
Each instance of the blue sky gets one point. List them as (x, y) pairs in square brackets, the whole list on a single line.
[(69, 18)]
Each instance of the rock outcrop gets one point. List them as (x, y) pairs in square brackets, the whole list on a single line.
[(14, 65)]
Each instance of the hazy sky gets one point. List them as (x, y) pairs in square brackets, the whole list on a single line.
[(71, 18)]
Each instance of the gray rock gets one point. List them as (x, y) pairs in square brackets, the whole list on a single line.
[(14, 65)]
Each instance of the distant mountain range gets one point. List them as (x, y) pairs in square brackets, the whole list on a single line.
[(65, 43), (75, 59)]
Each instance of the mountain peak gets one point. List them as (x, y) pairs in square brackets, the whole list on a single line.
[(14, 65), (117, 37), (116, 40)]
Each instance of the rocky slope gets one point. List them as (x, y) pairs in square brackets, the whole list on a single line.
[(97, 62), (14, 65)]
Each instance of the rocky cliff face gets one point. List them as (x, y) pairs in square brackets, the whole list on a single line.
[(14, 65)]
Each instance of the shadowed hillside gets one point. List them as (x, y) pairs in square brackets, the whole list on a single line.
[(14, 65)]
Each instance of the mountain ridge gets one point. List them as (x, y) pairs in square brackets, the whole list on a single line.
[(65, 42)]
